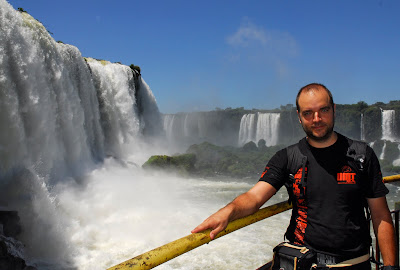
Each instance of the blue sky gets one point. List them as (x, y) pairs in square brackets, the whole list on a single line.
[(199, 55)]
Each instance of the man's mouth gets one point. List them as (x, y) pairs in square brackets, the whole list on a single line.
[(318, 127)]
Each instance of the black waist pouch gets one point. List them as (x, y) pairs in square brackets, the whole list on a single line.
[(288, 256)]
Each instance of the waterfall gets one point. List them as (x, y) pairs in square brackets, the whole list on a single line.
[(388, 125), (382, 155), (48, 102), (247, 129), (61, 116), (267, 128), (362, 128), (254, 127), (169, 125), (396, 162)]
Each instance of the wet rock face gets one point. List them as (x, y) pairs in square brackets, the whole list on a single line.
[(10, 222), (11, 250)]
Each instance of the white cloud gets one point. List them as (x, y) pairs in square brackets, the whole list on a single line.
[(270, 41), (248, 34), (254, 46)]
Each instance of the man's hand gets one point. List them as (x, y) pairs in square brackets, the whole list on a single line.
[(244, 205), (216, 222)]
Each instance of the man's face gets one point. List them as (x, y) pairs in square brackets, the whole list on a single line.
[(316, 114)]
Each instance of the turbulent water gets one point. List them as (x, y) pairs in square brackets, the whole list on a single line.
[(74, 134)]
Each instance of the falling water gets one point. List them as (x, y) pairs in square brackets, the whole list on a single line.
[(382, 155), (267, 128), (254, 127), (388, 125), (362, 128), (388, 131), (63, 116), (169, 125), (247, 129)]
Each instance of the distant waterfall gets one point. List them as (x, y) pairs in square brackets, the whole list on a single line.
[(247, 131), (388, 125), (186, 129), (254, 127), (267, 128), (362, 128), (397, 161), (388, 133), (382, 155), (169, 125)]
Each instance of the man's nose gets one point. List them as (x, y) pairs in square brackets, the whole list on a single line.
[(316, 117)]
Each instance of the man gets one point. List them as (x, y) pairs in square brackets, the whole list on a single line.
[(328, 213)]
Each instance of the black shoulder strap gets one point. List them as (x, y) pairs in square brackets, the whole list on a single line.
[(296, 160), (357, 152)]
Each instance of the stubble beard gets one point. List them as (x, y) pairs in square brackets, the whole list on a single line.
[(328, 133)]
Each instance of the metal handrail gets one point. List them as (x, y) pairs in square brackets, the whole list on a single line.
[(178, 247)]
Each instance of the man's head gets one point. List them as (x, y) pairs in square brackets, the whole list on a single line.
[(316, 112), (311, 87)]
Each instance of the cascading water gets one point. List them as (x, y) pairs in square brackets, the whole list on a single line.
[(169, 125), (254, 127), (362, 128), (388, 131), (267, 128), (247, 128), (388, 125), (62, 118), (118, 108)]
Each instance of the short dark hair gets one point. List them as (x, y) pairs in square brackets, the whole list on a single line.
[(313, 86)]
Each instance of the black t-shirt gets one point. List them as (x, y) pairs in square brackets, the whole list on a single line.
[(330, 216)]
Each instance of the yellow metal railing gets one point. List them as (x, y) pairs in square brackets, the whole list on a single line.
[(178, 247)]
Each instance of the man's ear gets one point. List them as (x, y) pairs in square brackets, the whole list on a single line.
[(298, 115)]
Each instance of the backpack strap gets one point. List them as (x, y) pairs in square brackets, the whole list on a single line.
[(357, 152), (296, 160)]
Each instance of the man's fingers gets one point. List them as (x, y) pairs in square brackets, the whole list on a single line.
[(203, 226), (198, 229)]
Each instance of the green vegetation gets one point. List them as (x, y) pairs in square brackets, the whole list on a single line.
[(182, 164), (246, 161), (135, 68)]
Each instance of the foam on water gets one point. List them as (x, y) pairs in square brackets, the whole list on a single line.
[(123, 212)]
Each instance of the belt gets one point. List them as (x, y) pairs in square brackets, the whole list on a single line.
[(333, 261)]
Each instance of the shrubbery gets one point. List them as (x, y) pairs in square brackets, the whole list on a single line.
[(182, 164)]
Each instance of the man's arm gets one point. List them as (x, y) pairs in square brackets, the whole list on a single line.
[(244, 205), (383, 228)]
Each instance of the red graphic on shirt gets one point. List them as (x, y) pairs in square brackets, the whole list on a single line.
[(265, 171), (347, 176), (301, 220)]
